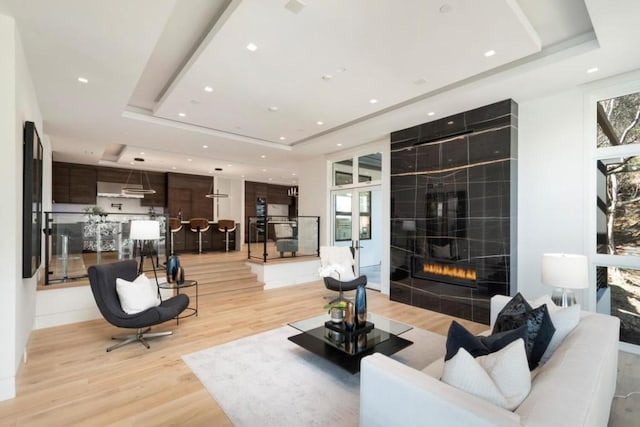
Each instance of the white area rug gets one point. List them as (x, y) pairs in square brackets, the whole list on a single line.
[(265, 379)]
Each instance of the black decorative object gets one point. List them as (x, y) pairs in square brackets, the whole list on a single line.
[(361, 305), (180, 276), (31, 201)]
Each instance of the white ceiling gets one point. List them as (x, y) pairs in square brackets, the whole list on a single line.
[(149, 60)]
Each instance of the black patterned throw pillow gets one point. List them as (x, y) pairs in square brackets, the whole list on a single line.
[(540, 329)]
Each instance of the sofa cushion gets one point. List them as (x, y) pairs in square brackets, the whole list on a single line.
[(540, 328), (458, 337), (138, 295), (564, 320), (502, 377)]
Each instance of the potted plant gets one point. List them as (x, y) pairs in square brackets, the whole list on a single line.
[(336, 310)]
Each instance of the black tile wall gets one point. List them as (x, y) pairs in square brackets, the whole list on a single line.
[(470, 158)]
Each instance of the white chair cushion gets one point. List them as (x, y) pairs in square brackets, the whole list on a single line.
[(501, 378), (138, 295)]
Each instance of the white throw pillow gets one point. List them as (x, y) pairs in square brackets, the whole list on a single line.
[(138, 295), (501, 378), (564, 320)]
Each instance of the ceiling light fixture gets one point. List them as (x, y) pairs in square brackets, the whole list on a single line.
[(489, 53), (319, 123), (205, 146), (373, 101), (208, 89), (252, 47), (592, 70), (341, 70), (430, 113), (338, 144), (139, 188), (273, 108), (83, 80), (182, 114), (189, 160), (327, 77), (264, 156), (282, 138)]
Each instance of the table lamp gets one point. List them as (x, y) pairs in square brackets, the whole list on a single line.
[(565, 272), (143, 231)]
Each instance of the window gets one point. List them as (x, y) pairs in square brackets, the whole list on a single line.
[(617, 165)]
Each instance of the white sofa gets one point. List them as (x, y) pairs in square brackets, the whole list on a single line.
[(574, 388)]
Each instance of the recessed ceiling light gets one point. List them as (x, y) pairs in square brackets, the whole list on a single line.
[(210, 171), (293, 173), (592, 70), (205, 146), (373, 101), (319, 123), (450, 122), (182, 114), (282, 138), (270, 179), (208, 89), (189, 160), (83, 80), (241, 176), (339, 144), (273, 108), (142, 153), (264, 156), (264, 170), (327, 77), (132, 163), (252, 47), (341, 70), (173, 167), (489, 53), (430, 113), (229, 166)]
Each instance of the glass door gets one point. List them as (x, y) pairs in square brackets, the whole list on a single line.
[(357, 224)]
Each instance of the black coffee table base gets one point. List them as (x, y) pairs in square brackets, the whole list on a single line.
[(349, 362)]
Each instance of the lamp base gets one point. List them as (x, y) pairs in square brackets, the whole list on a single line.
[(563, 297)]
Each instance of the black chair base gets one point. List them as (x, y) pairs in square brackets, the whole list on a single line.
[(140, 336)]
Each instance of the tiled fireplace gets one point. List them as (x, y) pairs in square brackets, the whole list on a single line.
[(453, 211)]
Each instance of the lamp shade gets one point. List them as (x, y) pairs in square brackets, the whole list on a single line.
[(145, 230), (565, 271)]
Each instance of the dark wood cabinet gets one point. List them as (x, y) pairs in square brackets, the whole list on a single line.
[(75, 183), (273, 194), (72, 183), (187, 194)]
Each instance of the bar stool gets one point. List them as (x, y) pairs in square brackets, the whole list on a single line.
[(174, 226), (226, 226), (199, 225)]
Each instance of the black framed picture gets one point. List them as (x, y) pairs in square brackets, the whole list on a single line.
[(31, 201)]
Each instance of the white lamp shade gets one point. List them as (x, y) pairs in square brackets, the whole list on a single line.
[(565, 271), (145, 230)]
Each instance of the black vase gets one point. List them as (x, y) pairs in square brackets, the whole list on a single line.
[(173, 264), (361, 306)]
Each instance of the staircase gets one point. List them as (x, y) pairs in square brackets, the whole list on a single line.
[(219, 275)]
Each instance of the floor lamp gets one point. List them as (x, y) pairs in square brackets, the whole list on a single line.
[(145, 231), (565, 272)]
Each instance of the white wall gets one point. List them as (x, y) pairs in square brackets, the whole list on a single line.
[(312, 187), (18, 103), (551, 183)]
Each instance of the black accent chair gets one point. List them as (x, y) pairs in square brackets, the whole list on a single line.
[(103, 285), (338, 286)]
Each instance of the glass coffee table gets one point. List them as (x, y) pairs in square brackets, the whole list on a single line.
[(345, 349)]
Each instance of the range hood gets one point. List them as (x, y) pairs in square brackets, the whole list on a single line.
[(114, 190)]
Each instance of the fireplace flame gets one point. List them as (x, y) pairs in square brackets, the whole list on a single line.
[(449, 271)]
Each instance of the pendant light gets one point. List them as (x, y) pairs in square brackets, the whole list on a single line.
[(137, 187), (217, 195)]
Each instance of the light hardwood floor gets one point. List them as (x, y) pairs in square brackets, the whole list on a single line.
[(69, 378)]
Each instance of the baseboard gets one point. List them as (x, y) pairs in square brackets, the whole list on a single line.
[(7, 388)]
